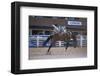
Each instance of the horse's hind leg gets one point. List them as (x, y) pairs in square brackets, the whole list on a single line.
[(66, 45), (75, 43)]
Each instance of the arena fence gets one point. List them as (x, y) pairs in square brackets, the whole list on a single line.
[(38, 40)]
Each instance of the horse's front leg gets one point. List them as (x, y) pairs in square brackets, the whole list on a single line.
[(48, 39), (48, 52)]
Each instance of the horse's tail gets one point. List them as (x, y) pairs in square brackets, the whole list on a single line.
[(45, 42)]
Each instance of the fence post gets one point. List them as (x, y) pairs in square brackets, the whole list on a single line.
[(37, 40), (59, 43), (81, 41)]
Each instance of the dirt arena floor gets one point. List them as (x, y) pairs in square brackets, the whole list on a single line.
[(57, 52)]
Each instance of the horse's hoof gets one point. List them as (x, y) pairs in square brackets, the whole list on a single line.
[(48, 53), (65, 50)]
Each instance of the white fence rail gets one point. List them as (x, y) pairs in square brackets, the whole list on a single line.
[(82, 40), (38, 40)]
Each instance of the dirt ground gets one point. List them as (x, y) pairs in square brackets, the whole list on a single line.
[(57, 52)]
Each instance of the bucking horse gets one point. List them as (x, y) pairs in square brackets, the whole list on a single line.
[(60, 33)]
